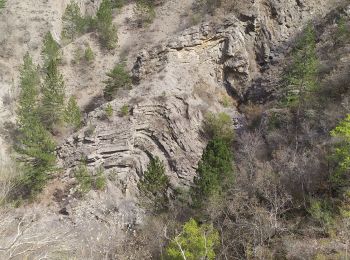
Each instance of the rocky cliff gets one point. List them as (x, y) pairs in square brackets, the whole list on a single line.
[(230, 59)]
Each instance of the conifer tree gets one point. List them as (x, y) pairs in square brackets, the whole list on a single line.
[(106, 29), (73, 22), (215, 170), (154, 184), (2, 4), (34, 142), (51, 50), (72, 114), (302, 76), (29, 83), (53, 91)]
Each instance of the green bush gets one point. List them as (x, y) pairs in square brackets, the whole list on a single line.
[(343, 31), (72, 114), (84, 178), (321, 211), (155, 183), (109, 111), (86, 56), (118, 78), (219, 126), (100, 180), (89, 55), (78, 55), (74, 24), (145, 11), (194, 242), (341, 153), (118, 3), (107, 31), (88, 181), (124, 111)]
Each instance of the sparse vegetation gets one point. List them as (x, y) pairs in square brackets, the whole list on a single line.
[(75, 24), (87, 180), (219, 126), (84, 178), (277, 188), (84, 57), (100, 179), (118, 3), (90, 130), (343, 31), (10, 174), (109, 111), (145, 11), (118, 78), (89, 55), (124, 111)]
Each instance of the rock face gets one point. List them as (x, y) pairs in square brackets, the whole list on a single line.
[(165, 117), (179, 81), (207, 68)]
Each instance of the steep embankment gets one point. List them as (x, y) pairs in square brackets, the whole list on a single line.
[(180, 76)]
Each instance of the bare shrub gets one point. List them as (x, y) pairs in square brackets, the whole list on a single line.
[(9, 174)]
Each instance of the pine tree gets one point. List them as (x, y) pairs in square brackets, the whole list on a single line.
[(51, 50), (29, 83), (215, 170), (2, 4), (118, 78), (155, 183), (53, 90), (72, 114), (302, 75), (106, 29), (34, 142), (74, 23)]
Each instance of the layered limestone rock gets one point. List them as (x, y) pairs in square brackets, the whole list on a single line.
[(177, 83)]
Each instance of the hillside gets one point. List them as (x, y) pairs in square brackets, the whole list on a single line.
[(192, 129)]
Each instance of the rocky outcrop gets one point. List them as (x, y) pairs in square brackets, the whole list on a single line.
[(177, 82), (167, 127)]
